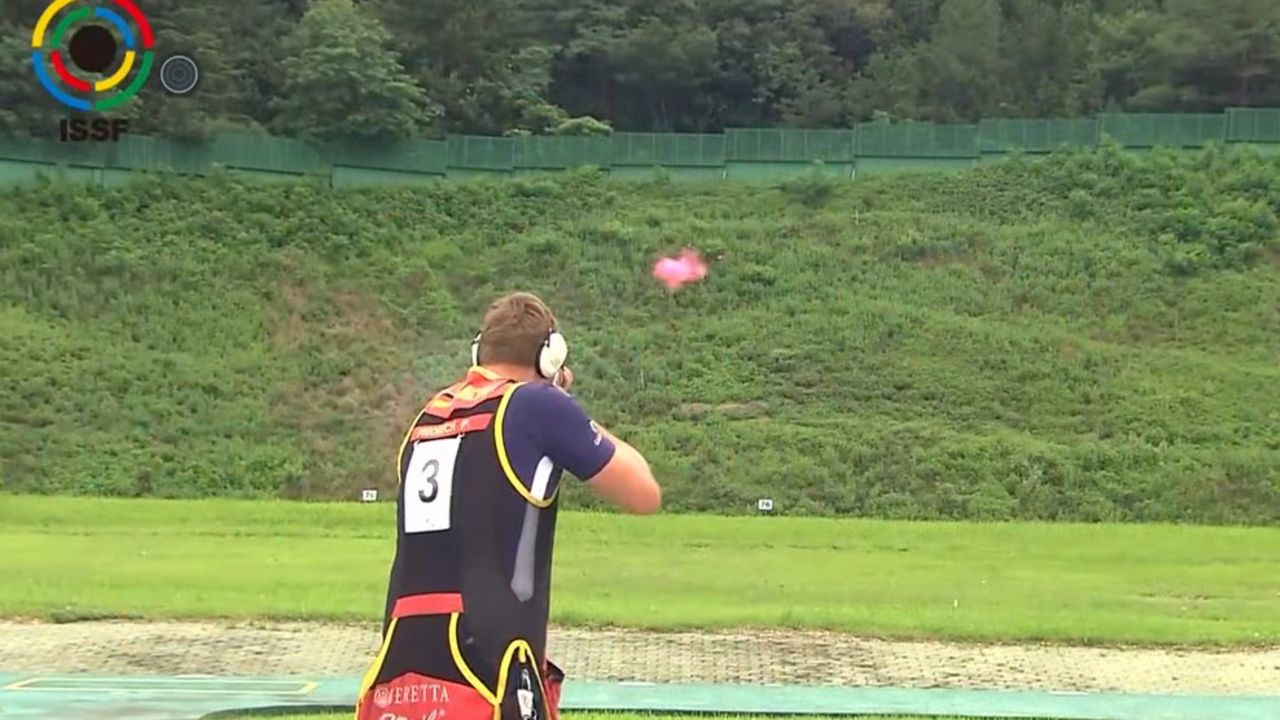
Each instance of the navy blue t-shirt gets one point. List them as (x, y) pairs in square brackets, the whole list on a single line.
[(546, 432), (546, 424)]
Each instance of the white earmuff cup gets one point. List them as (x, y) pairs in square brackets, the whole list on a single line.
[(553, 355)]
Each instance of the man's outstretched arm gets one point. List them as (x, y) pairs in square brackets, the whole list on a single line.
[(626, 480)]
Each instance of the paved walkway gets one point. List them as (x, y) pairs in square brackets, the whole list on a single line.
[(773, 657)]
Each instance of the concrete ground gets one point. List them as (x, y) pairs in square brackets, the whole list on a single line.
[(755, 657)]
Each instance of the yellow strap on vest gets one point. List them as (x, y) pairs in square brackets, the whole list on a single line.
[(493, 696), (405, 443), (465, 669), (371, 676), (501, 445)]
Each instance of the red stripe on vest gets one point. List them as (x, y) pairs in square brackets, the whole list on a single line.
[(449, 428), (430, 604), (418, 696), (478, 386)]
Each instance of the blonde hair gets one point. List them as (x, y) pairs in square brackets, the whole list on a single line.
[(515, 326)]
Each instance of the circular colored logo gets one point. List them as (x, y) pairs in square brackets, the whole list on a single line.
[(69, 47)]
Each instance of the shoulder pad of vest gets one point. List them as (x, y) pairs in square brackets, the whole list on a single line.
[(466, 394)]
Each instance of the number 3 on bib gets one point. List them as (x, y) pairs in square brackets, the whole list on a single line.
[(428, 485)]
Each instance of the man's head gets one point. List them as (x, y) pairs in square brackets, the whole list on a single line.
[(515, 328)]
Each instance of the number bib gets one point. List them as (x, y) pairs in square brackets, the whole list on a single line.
[(428, 485)]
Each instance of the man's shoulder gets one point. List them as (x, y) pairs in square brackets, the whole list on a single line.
[(560, 428), (543, 397)]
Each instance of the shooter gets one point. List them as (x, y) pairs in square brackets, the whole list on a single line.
[(465, 630)]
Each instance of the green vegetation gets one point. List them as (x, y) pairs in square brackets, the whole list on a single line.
[(670, 65), (78, 558), (1092, 337)]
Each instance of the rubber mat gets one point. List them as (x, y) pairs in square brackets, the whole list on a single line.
[(86, 697)]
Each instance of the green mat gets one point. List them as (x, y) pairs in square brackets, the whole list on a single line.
[(26, 697)]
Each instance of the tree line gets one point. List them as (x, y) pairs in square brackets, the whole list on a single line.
[(378, 69)]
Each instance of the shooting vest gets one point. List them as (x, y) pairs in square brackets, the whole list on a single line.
[(459, 643)]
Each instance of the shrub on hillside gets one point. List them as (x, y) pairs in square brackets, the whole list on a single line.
[(1090, 337)]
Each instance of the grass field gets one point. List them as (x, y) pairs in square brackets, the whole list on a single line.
[(68, 558)]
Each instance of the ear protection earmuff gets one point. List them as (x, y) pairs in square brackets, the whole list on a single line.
[(552, 354)]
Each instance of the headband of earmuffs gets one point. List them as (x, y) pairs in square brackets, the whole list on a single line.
[(552, 354)]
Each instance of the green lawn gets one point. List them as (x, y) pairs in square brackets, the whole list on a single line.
[(75, 558)]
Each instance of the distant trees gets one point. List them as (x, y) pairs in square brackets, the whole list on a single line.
[(342, 79), (413, 67)]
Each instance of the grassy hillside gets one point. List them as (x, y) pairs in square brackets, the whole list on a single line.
[(1095, 337)]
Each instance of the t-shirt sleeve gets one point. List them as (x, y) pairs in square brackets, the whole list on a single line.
[(562, 430)]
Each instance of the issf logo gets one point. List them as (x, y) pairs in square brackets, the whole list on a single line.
[(94, 57)]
